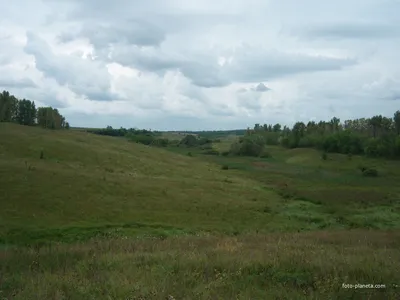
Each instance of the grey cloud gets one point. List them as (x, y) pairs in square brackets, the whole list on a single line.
[(261, 87), (131, 32), (191, 37), (250, 100), (17, 83), (217, 109), (351, 31), (84, 77), (221, 110), (392, 95), (125, 40), (249, 64)]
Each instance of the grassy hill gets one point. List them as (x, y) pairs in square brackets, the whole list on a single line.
[(93, 217)]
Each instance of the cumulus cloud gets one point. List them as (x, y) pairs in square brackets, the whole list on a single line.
[(83, 76), (247, 64), (205, 64), (18, 83), (261, 87)]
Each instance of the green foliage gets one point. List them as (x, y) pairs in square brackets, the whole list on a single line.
[(250, 145), (217, 134), (211, 152), (324, 156), (160, 142), (24, 112), (268, 229), (374, 137), (206, 147), (145, 139), (370, 172), (48, 117), (265, 154), (189, 141), (139, 136)]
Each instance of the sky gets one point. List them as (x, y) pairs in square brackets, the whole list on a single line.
[(202, 65)]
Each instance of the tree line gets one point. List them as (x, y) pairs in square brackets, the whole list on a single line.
[(141, 136), (377, 136), (24, 112)]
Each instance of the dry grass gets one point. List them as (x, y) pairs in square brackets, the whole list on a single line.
[(275, 266)]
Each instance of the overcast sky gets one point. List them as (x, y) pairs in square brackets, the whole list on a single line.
[(210, 64)]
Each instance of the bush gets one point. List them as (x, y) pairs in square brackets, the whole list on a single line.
[(225, 167), (249, 146), (324, 156), (189, 154), (145, 139), (189, 141), (265, 154), (160, 142), (211, 152), (174, 143), (206, 147), (362, 168), (225, 153), (371, 172)]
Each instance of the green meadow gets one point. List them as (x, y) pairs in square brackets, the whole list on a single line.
[(85, 216)]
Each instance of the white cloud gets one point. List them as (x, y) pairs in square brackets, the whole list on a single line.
[(210, 64)]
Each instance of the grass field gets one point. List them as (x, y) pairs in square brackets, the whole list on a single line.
[(102, 218)]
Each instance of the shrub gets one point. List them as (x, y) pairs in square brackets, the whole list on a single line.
[(225, 167), (249, 146), (225, 153), (371, 172), (211, 152), (189, 141), (145, 139), (362, 168), (324, 156), (174, 143), (189, 154), (206, 147), (160, 142), (41, 154), (265, 154)]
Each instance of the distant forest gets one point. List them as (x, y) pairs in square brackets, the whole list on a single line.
[(24, 112), (378, 136)]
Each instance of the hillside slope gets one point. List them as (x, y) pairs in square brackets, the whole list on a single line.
[(103, 197), (88, 182)]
